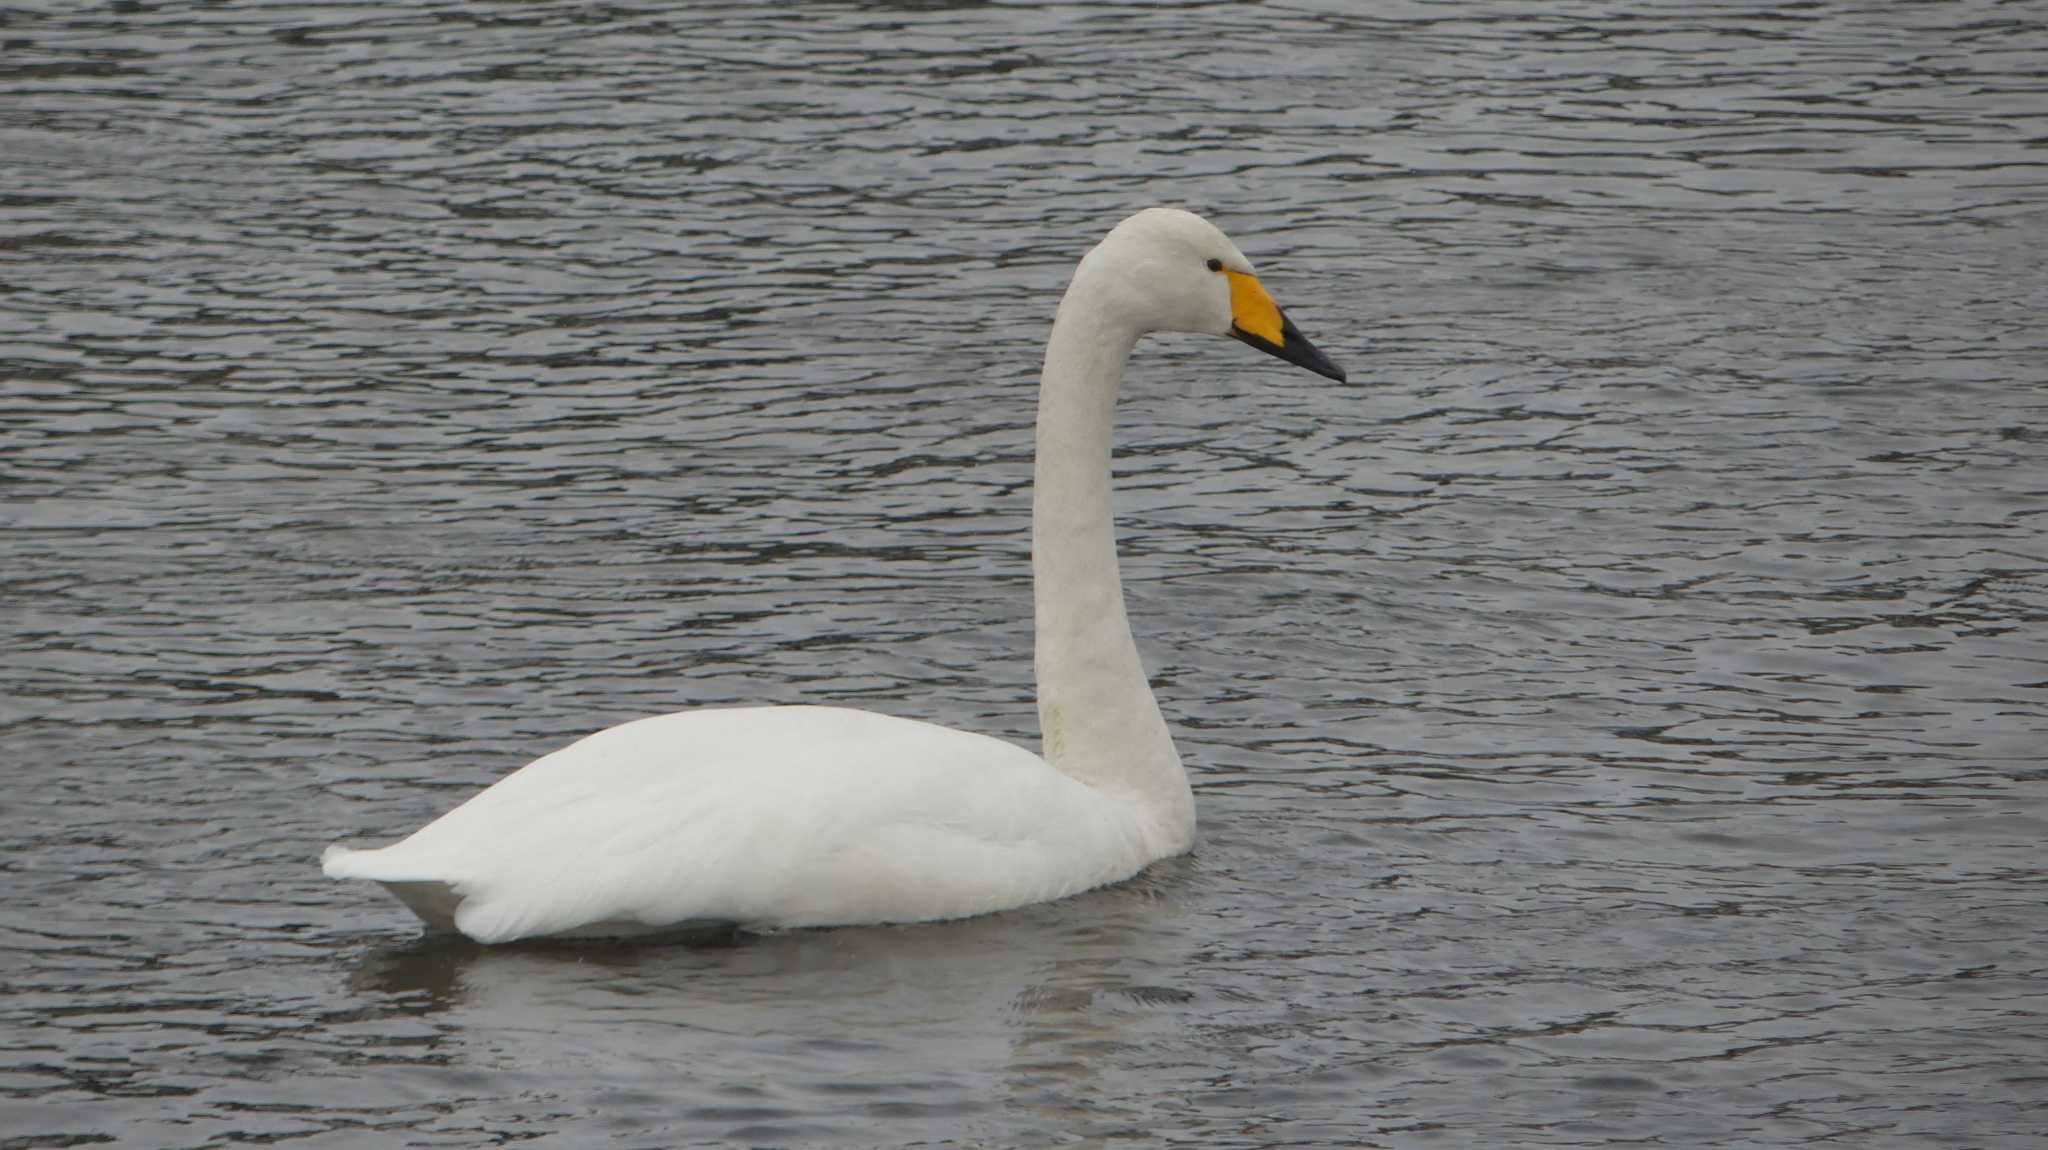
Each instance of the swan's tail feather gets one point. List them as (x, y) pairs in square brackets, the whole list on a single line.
[(440, 901), (432, 897), (435, 902), (375, 863)]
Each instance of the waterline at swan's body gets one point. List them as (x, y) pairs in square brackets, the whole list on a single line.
[(783, 816), (811, 816)]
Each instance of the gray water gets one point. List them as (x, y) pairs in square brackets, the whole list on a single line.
[(1616, 718)]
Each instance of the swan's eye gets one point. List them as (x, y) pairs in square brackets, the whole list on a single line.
[(1215, 265)]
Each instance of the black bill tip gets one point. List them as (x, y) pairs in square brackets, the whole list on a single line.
[(1293, 347)]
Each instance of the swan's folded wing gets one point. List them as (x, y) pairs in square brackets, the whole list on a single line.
[(800, 816)]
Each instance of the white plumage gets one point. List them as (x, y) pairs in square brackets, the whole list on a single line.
[(770, 817), (784, 816)]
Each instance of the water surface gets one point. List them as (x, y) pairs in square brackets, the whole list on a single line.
[(1617, 718)]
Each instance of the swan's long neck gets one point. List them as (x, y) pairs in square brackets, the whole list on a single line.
[(1095, 706)]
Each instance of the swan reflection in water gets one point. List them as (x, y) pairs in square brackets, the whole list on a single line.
[(871, 1016)]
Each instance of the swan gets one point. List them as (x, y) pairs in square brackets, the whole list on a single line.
[(798, 816)]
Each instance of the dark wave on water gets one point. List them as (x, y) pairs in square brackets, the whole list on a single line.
[(1617, 717)]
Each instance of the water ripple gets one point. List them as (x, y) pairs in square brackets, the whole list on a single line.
[(1617, 718)]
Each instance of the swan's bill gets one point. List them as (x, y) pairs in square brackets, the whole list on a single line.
[(1255, 319)]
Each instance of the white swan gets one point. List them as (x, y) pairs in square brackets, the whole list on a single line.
[(773, 817)]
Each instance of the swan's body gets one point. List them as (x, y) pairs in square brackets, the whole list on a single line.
[(790, 816), (772, 817)]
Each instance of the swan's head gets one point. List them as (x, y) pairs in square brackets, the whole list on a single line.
[(1170, 270)]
